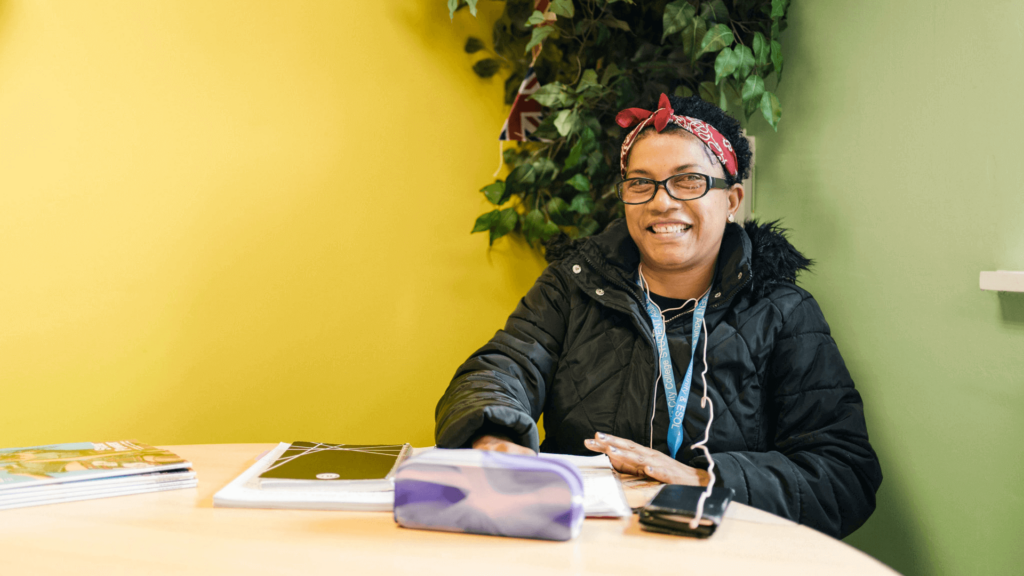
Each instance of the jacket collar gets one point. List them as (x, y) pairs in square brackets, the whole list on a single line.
[(615, 256)]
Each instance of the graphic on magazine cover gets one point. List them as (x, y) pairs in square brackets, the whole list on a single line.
[(78, 460)]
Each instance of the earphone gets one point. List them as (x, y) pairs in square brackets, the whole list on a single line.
[(705, 400)]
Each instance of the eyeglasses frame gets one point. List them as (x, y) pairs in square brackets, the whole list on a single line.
[(712, 182)]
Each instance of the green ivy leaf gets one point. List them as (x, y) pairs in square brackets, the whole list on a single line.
[(594, 161), (553, 95), (779, 8), (579, 182), (485, 221), (453, 5), (533, 223), (536, 18), (547, 130), (761, 49), (520, 179), (587, 81), (726, 63), (692, 35), (589, 139), (487, 67), (611, 71), (677, 16), (683, 91), (582, 203), (549, 231), (715, 11), (473, 45), (708, 92), (566, 121), (563, 8), (546, 171), (777, 58), (559, 212), (574, 155), (616, 23), (540, 33), (716, 39), (495, 193), (588, 227), (504, 223), (753, 88), (771, 109), (746, 62), (751, 106), (775, 30)]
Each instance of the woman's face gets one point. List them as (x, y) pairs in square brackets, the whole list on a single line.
[(674, 235)]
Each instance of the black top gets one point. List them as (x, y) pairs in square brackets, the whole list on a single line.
[(666, 303)]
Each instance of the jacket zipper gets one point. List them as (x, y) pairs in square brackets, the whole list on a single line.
[(654, 348)]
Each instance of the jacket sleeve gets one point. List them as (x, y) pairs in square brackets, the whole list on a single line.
[(821, 470), (504, 384)]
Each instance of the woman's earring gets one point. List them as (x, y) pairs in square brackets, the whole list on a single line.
[(731, 217)]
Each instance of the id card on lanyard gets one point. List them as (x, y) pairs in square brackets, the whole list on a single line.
[(676, 401)]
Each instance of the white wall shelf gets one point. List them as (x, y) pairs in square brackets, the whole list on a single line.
[(1003, 281)]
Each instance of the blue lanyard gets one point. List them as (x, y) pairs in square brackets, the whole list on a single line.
[(676, 402)]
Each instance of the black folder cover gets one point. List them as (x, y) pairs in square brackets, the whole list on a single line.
[(308, 463)]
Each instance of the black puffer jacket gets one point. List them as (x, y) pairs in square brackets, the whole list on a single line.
[(789, 433)]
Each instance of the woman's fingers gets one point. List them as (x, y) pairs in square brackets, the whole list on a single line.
[(513, 448), (658, 473), (605, 442), (629, 457), (496, 444), (626, 456)]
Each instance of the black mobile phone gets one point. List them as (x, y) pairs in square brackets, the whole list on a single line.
[(675, 506)]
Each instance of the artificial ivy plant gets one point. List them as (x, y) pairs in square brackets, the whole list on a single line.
[(597, 57)]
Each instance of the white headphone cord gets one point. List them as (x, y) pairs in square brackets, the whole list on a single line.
[(707, 434)]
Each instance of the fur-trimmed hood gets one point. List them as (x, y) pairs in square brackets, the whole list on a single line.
[(756, 255), (774, 260)]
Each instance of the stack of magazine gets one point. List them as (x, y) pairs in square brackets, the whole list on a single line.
[(39, 475)]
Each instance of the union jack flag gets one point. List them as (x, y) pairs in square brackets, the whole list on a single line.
[(525, 117)]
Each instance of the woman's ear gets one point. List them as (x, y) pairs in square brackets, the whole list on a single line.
[(735, 196)]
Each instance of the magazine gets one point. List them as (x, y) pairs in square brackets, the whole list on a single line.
[(37, 475), (57, 463)]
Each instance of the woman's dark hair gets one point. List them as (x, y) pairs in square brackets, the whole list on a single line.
[(695, 107)]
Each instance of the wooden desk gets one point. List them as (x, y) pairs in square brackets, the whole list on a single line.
[(179, 532)]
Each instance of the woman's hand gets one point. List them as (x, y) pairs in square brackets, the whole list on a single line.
[(499, 444), (629, 457)]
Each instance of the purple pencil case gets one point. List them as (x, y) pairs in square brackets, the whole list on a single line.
[(482, 492)]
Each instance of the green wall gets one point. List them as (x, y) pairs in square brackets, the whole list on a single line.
[(897, 167)]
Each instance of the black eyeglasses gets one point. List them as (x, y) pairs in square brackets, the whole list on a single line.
[(684, 187)]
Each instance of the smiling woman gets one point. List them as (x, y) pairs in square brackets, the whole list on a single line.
[(678, 343)]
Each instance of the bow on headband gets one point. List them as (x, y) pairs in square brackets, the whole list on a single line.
[(638, 119)]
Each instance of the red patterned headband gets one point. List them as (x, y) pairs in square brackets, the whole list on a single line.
[(638, 119)]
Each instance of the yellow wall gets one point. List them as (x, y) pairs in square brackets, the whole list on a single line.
[(242, 221)]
